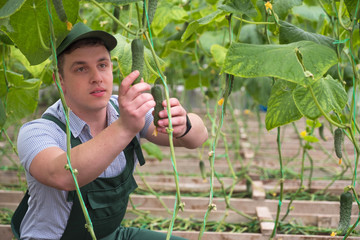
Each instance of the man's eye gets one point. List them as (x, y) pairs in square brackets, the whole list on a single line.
[(80, 69), (103, 65)]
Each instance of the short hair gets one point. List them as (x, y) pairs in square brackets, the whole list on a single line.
[(77, 44)]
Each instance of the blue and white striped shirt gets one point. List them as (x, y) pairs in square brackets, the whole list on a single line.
[(49, 210)]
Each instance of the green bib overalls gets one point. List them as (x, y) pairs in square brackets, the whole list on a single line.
[(106, 200)]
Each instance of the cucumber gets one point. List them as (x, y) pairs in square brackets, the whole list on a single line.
[(60, 11), (321, 132), (202, 170), (346, 200), (2, 115), (337, 142), (116, 14), (152, 9), (137, 53), (156, 92)]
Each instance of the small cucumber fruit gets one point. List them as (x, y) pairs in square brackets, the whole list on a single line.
[(137, 53), (346, 200), (60, 11), (337, 142)]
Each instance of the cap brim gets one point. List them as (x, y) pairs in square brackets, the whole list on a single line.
[(109, 40)]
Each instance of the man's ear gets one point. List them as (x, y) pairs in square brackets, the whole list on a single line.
[(60, 79)]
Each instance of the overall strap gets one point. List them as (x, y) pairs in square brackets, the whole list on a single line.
[(74, 141)]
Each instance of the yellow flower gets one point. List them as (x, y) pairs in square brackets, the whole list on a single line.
[(333, 234), (303, 133), (340, 161), (246, 111), (268, 5), (69, 25), (221, 102), (84, 21)]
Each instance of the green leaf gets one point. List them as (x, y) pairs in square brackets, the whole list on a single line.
[(166, 13), (351, 6), (281, 106), (218, 53), (10, 7), (329, 93), (283, 7), (259, 89), (119, 2), (123, 57), (193, 26), (313, 124), (311, 139), (21, 96), (31, 21), (152, 150), (239, 7), (311, 13), (2, 114), (279, 61), (290, 33)]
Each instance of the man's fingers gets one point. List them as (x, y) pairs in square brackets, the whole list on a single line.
[(127, 81)]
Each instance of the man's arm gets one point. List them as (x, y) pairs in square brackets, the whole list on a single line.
[(94, 156), (194, 138)]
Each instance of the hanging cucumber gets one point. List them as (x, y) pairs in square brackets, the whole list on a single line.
[(202, 170), (116, 14), (60, 11), (321, 132), (346, 200), (337, 143), (156, 92), (151, 10), (2, 114), (137, 52)]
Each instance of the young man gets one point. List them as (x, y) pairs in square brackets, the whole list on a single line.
[(105, 132)]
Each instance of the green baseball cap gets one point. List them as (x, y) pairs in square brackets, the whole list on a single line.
[(81, 31)]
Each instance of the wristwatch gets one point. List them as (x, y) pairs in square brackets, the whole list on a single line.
[(188, 126)]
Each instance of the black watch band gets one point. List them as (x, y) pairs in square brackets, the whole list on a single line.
[(188, 126)]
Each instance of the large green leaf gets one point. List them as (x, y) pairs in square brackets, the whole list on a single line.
[(123, 57), (329, 93), (312, 13), (283, 7), (21, 96), (193, 26), (240, 7), (279, 61), (281, 106), (120, 2), (32, 21), (165, 13), (10, 7), (290, 33)]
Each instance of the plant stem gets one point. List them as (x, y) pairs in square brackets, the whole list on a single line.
[(88, 224), (112, 17), (281, 185)]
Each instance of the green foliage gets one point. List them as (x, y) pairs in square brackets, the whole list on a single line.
[(153, 150), (19, 95), (279, 61), (32, 20), (10, 7)]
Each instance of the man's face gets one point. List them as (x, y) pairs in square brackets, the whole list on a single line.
[(87, 78)]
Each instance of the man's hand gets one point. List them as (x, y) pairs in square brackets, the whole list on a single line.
[(134, 102), (178, 118)]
